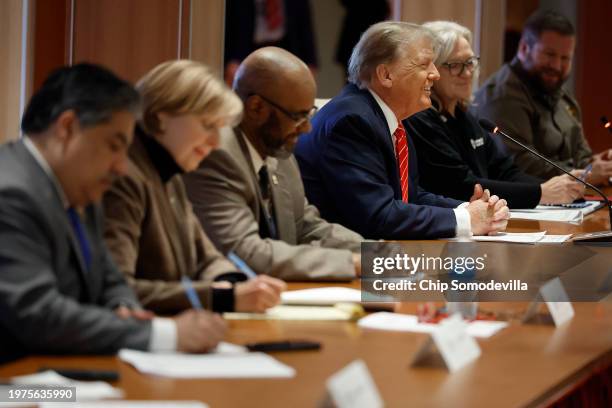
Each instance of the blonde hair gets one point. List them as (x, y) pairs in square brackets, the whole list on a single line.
[(182, 87)]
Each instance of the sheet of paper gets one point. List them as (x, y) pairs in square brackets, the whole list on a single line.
[(321, 296), (515, 237), (85, 390), (131, 404), (570, 216), (557, 301), (554, 239), (353, 387), (213, 365), (410, 323), (346, 311)]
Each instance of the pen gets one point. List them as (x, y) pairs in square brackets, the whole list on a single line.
[(587, 171), (241, 265), (191, 293)]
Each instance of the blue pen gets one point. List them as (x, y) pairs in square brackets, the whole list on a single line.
[(191, 293), (586, 172), (241, 265)]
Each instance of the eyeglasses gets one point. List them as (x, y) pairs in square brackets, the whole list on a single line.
[(298, 117), (457, 68)]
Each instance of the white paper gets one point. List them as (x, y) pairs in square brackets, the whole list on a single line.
[(127, 404), (570, 216), (85, 390), (329, 295), (455, 345), (284, 312), (353, 387), (410, 323), (554, 239), (515, 237), (523, 238), (557, 301), (223, 364)]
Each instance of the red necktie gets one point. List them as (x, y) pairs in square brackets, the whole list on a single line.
[(274, 17), (401, 154)]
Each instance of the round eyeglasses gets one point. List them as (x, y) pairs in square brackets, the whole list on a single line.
[(298, 117)]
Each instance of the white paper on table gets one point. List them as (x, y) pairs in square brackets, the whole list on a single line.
[(286, 312), (523, 238), (565, 215), (128, 404), (554, 239), (321, 296), (410, 323), (221, 364), (85, 390), (515, 237)]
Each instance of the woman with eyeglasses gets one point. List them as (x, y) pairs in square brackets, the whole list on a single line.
[(454, 152)]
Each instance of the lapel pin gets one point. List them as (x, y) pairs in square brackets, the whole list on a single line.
[(274, 179)]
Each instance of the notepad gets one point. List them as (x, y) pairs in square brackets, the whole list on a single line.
[(213, 365), (329, 295), (559, 214), (410, 323), (340, 311)]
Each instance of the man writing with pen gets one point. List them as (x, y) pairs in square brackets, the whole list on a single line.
[(60, 291)]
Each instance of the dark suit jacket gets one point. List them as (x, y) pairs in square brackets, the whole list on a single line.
[(350, 173), (454, 154), (49, 302)]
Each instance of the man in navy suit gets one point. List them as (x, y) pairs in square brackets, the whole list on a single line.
[(359, 166)]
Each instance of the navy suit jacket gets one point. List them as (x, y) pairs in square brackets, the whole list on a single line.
[(350, 173)]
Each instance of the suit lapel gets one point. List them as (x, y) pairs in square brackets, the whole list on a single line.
[(62, 228), (249, 168)]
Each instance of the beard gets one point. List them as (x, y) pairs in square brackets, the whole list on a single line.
[(539, 74), (277, 147)]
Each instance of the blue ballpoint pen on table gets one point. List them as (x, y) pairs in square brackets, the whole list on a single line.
[(191, 293), (587, 171), (241, 265)]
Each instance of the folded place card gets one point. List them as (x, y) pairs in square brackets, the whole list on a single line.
[(451, 342), (353, 387)]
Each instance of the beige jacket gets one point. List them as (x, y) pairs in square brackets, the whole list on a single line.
[(155, 238), (226, 197)]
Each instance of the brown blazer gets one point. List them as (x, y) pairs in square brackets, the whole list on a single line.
[(155, 238)]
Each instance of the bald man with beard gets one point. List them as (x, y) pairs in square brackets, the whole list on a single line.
[(248, 194)]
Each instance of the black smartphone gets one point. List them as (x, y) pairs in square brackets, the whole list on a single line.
[(294, 345), (85, 375)]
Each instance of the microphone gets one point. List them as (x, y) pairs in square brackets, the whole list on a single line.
[(606, 123), (602, 236)]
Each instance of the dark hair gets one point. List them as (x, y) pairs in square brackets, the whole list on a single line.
[(93, 92), (546, 20)]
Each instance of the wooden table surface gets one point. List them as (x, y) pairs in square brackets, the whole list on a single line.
[(524, 364)]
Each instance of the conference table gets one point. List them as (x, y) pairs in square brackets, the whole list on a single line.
[(522, 365)]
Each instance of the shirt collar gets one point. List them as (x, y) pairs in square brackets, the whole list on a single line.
[(390, 117), (256, 159), (42, 162)]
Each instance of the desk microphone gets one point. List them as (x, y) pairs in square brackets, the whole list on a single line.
[(606, 123), (601, 236)]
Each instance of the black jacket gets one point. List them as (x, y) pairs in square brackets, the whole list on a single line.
[(456, 153)]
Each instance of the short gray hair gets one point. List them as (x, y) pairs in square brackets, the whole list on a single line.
[(447, 33), (382, 44)]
